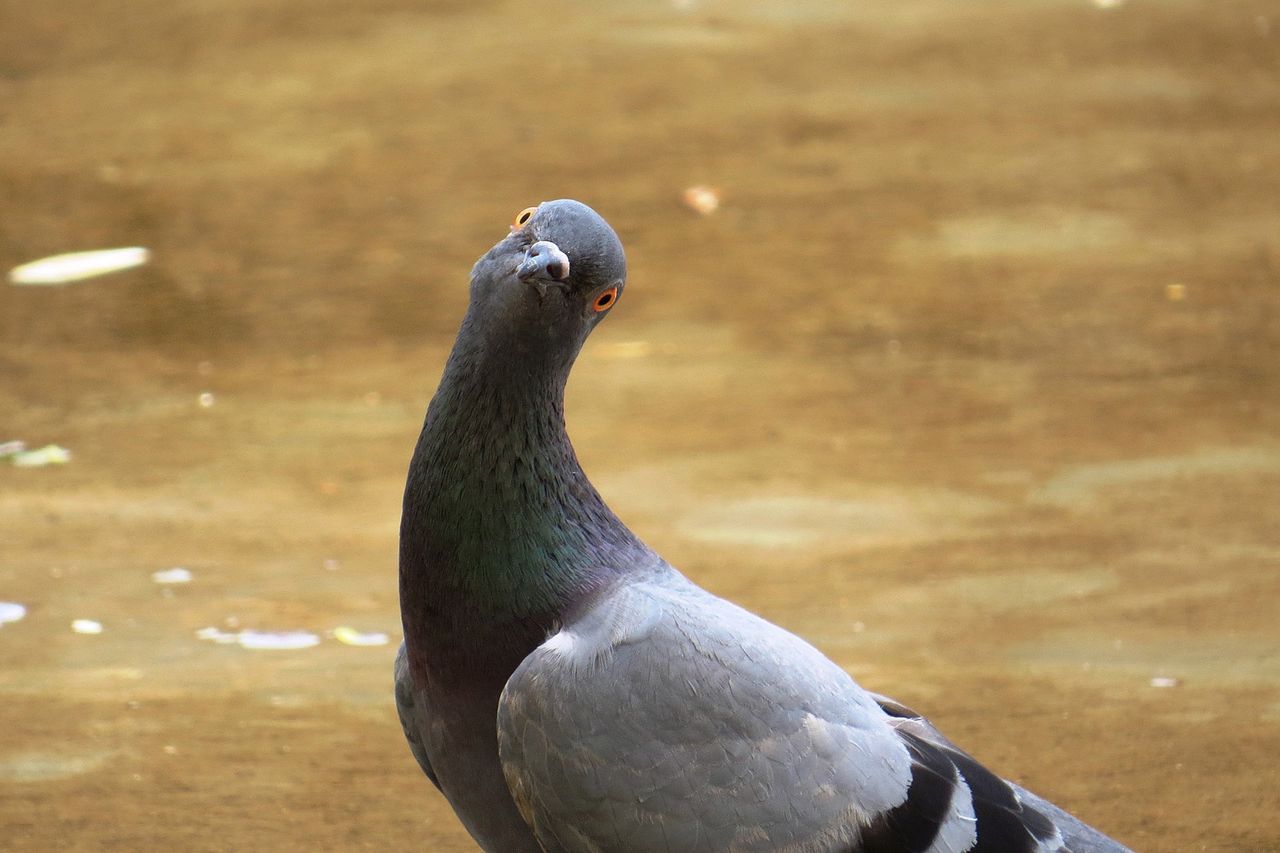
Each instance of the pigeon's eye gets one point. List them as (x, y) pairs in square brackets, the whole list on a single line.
[(605, 299), (523, 217)]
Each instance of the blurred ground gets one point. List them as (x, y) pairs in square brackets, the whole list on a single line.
[(971, 380)]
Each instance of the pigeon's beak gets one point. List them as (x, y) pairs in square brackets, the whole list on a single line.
[(545, 262)]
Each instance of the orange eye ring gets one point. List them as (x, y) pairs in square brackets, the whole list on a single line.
[(523, 217), (605, 300)]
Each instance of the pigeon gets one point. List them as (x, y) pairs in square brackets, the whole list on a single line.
[(569, 691)]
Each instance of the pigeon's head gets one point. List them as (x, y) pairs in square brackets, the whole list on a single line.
[(542, 289)]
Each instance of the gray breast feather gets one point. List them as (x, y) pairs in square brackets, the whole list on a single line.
[(668, 719)]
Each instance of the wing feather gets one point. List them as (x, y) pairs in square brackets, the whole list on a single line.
[(409, 713), (1008, 818), (662, 718), (668, 719)]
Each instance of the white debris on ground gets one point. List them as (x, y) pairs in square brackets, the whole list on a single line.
[(78, 266), (351, 637), (251, 639), (217, 635), (278, 639), (50, 454), (86, 626), (11, 448), (1165, 681), (11, 612), (175, 575)]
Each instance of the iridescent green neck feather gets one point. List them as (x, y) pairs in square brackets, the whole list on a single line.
[(499, 519)]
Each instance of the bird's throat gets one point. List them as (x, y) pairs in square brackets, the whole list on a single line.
[(500, 524)]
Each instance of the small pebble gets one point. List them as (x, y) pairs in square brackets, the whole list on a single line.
[(351, 637), (1164, 681), (206, 400), (86, 626), (703, 199)]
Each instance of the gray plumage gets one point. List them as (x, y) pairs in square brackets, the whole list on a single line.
[(664, 718), (407, 710), (570, 692)]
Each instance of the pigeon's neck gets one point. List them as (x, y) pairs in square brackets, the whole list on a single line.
[(500, 523)]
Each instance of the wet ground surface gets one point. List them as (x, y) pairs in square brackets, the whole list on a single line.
[(971, 379)]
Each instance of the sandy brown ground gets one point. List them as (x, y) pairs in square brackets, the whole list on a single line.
[(972, 379)]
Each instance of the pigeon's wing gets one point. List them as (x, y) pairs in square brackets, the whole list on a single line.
[(1003, 809), (664, 719), (661, 718), (409, 713)]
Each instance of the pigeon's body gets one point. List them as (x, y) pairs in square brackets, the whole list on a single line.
[(568, 690)]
